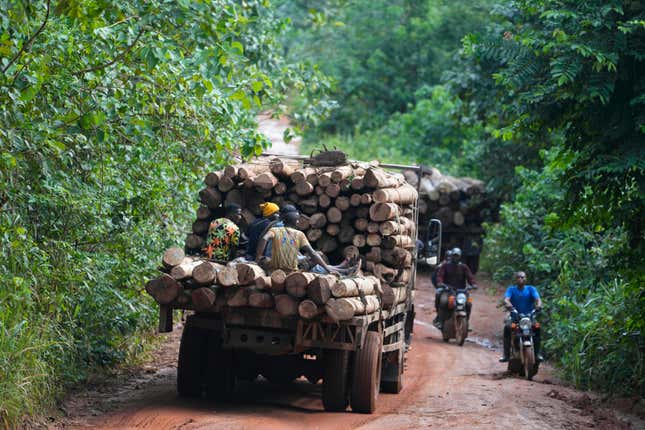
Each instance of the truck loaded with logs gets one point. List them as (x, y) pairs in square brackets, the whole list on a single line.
[(245, 321)]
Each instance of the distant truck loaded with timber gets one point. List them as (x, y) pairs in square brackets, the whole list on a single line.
[(350, 332)]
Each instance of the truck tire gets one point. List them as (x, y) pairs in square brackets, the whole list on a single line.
[(219, 375), (335, 381), (367, 374), (394, 372), (190, 363)]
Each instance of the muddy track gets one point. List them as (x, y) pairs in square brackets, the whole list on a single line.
[(445, 386)]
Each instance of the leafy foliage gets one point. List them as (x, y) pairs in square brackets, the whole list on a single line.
[(110, 113)]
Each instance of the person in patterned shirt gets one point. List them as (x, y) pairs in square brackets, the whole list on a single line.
[(224, 235), (286, 242)]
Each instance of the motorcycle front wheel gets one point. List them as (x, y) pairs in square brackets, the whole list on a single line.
[(529, 362), (461, 330)]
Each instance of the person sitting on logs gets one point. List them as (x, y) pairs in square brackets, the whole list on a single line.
[(286, 242), (224, 235), (257, 229)]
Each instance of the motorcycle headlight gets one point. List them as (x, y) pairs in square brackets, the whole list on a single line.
[(461, 298), (525, 324)]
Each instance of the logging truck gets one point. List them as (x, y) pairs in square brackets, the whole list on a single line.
[(351, 333)]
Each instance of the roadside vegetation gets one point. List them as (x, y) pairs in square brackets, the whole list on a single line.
[(543, 100)]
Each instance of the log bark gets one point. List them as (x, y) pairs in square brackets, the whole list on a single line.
[(334, 215), (185, 269), (204, 213), (401, 241), (378, 178), (404, 195), (341, 173), (307, 309), (195, 242), (225, 184), (173, 257), (164, 289), (401, 226), (261, 299), (265, 181), (263, 283), (392, 296), (206, 273), (383, 211), (227, 277), (238, 297), (314, 234), (286, 305), (332, 190), (297, 282), (203, 298), (304, 222), (324, 179), (319, 290), (211, 197), (212, 179), (247, 273), (397, 257), (282, 167), (300, 175), (352, 287), (278, 278), (304, 188), (346, 308)]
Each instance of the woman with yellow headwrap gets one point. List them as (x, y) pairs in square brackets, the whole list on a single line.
[(270, 218)]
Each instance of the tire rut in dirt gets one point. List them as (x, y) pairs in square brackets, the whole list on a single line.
[(367, 374)]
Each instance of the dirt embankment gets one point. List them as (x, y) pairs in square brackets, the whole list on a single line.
[(446, 386)]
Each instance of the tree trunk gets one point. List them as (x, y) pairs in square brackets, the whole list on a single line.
[(341, 173), (227, 277), (202, 298), (248, 273), (374, 255), (164, 289), (357, 183), (238, 297), (286, 305), (355, 200), (211, 197), (300, 175), (260, 299), (360, 224), (402, 241), (346, 233), (383, 211), (392, 296), (401, 226), (366, 199), (185, 269), (319, 290), (314, 234), (324, 179), (297, 282), (225, 184), (327, 244), (282, 167), (332, 190), (200, 226), (195, 242), (212, 179), (373, 239), (280, 188), (263, 283), (372, 227), (324, 201), (359, 240), (397, 257), (307, 309), (346, 308), (334, 215), (404, 195), (265, 181), (342, 203), (332, 229), (352, 287), (278, 278), (378, 178), (206, 273), (173, 257), (304, 188), (203, 213)]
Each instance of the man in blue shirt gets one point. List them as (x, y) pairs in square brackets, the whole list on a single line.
[(520, 298)]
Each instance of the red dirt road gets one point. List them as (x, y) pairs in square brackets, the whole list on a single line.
[(446, 386)]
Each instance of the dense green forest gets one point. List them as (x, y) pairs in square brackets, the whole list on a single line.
[(111, 111)]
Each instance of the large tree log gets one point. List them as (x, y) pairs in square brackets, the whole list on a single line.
[(227, 277), (238, 297), (260, 299), (247, 273), (173, 257), (327, 244), (211, 197), (392, 296), (307, 309), (300, 175), (397, 257), (206, 273), (304, 188), (383, 211), (314, 234), (280, 188), (378, 178), (324, 179), (366, 199), (203, 298), (212, 179), (185, 269), (332, 190), (346, 308), (361, 212), (359, 240), (203, 213), (265, 181), (346, 233), (283, 168), (297, 282), (360, 224), (352, 287), (332, 229), (309, 206), (373, 239), (341, 173), (402, 241), (278, 278), (357, 183), (324, 201), (372, 227), (225, 184), (334, 215), (355, 200), (401, 226), (342, 203), (319, 289), (286, 305), (404, 195), (312, 178), (304, 222), (263, 283), (195, 242), (200, 226), (164, 289)]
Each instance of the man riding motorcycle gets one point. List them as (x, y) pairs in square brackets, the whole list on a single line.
[(452, 274), (520, 299)]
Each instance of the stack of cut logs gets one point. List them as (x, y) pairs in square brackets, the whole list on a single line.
[(348, 210), (459, 203), (190, 282)]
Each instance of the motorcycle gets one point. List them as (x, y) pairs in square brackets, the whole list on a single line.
[(522, 355), (457, 304)]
